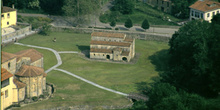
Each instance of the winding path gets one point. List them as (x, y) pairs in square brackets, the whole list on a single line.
[(59, 62)]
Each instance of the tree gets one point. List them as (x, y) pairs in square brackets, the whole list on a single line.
[(145, 24), (113, 23), (52, 6), (128, 23), (192, 59), (123, 6), (45, 30)]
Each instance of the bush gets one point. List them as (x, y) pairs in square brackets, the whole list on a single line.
[(41, 96), (35, 99), (116, 28)]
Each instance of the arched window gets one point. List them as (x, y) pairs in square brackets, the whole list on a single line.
[(9, 65)]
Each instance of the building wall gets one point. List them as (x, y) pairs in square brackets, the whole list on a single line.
[(21, 94), (97, 55), (11, 97), (23, 61), (10, 65), (9, 20), (96, 38), (38, 63), (34, 85), (109, 47), (44, 83), (196, 14)]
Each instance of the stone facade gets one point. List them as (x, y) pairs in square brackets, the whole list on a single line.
[(23, 76), (112, 46)]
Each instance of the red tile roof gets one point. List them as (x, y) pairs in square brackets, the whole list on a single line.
[(101, 50), (7, 56), (5, 74), (30, 71), (129, 39), (44, 74), (110, 43), (32, 53), (7, 9), (105, 34), (205, 5), (19, 84)]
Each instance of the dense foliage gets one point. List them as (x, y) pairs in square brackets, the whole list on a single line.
[(128, 23), (145, 24), (123, 6), (190, 80), (180, 8)]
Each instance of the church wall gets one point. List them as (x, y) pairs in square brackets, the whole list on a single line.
[(21, 94), (10, 65), (34, 85), (38, 63), (23, 61), (97, 38), (98, 55)]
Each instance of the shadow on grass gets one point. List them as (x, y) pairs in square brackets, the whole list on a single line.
[(160, 60), (84, 50)]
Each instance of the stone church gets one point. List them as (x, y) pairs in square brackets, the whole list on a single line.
[(112, 46), (22, 76)]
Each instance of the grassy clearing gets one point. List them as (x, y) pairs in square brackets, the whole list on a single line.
[(120, 77), (72, 92), (49, 58), (64, 41), (141, 12)]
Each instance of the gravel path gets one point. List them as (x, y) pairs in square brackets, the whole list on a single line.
[(59, 62)]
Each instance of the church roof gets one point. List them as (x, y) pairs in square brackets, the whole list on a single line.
[(110, 43), (125, 53), (5, 74), (7, 56), (7, 9), (101, 50), (205, 5), (30, 71), (128, 39), (32, 53), (19, 84), (105, 34), (44, 74)]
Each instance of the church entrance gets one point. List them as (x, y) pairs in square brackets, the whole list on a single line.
[(124, 59), (108, 56)]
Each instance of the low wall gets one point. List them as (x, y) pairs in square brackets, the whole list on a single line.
[(137, 35), (16, 33)]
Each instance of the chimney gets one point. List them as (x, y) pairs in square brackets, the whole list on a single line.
[(13, 6)]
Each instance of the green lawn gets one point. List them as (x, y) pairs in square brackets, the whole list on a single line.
[(141, 12), (71, 92), (121, 77)]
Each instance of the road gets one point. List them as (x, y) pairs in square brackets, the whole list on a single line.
[(59, 62)]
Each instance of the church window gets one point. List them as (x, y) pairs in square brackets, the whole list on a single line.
[(94, 54), (207, 14), (9, 65), (6, 93), (7, 23), (8, 15)]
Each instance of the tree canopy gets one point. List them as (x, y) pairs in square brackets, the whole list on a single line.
[(128, 23), (145, 24), (123, 6)]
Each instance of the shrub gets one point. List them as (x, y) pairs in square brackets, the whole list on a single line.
[(35, 99)]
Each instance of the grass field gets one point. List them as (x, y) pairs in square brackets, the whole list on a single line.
[(121, 77), (141, 12)]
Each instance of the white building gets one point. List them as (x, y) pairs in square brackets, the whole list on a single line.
[(204, 9)]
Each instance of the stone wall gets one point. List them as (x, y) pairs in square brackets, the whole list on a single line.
[(10, 65), (137, 35), (34, 85), (16, 33), (38, 63)]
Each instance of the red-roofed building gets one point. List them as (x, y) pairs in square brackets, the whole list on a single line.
[(204, 9), (22, 76), (111, 46)]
